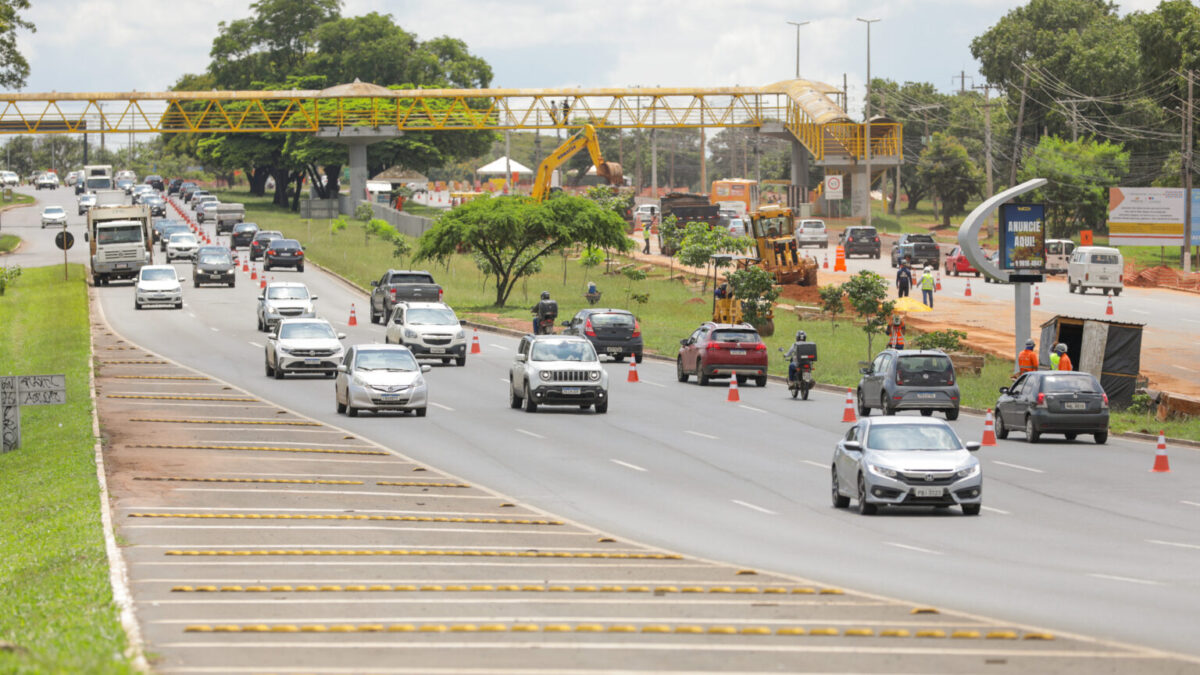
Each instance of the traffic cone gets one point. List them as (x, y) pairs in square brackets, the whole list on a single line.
[(1109, 311), (475, 342), (1161, 464), (967, 293), (733, 390), (633, 372), (989, 430), (825, 264), (262, 282), (839, 259), (848, 415), (246, 266), (253, 273), (937, 286), (353, 318), (1037, 298)]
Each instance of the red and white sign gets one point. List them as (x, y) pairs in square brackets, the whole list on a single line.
[(833, 187)]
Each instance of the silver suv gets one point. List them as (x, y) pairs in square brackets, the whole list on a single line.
[(303, 346), (430, 329), (557, 370), (284, 300), (909, 379), (812, 232)]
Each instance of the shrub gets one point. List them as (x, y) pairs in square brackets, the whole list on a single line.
[(945, 340)]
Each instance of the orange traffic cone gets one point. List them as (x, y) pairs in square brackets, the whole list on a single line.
[(937, 286), (839, 259), (245, 266), (253, 272), (1109, 311), (968, 291), (825, 263), (1037, 298), (733, 390), (353, 317), (848, 415), (1161, 464), (475, 342), (262, 281), (634, 378), (989, 430)]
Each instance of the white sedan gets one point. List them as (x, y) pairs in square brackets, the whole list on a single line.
[(54, 216), (380, 377)]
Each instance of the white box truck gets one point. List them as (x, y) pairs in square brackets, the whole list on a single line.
[(119, 239)]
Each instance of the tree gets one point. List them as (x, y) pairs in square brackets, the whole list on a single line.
[(832, 301), (700, 242), (757, 291), (511, 235), (867, 292), (13, 66), (952, 176), (1079, 175)]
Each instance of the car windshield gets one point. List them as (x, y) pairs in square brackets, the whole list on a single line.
[(157, 274), (812, 225), (124, 234), (912, 437), (734, 336), (1067, 384), (287, 293), (306, 331), (215, 259), (183, 238), (431, 316), (244, 227), (612, 320), (563, 351), (54, 211), (1104, 259), (385, 360)]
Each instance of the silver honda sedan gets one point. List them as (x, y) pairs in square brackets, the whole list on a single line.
[(906, 461)]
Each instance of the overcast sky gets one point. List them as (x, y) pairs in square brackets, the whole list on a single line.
[(145, 45)]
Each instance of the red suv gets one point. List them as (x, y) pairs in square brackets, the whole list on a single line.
[(723, 350), (957, 263)]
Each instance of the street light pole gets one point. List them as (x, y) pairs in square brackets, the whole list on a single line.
[(868, 115), (797, 25)]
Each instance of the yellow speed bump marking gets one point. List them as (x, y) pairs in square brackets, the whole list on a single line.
[(965, 634), (133, 362), (487, 554), (858, 632), (931, 633), (158, 377), (259, 448), (170, 397), (894, 632), (417, 483), (790, 630), (184, 420), (823, 631), (343, 516), (924, 610), (1037, 636), (1002, 635), (290, 481)]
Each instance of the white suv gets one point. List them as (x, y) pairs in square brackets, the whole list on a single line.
[(429, 329), (812, 232), (557, 370), (303, 346), (284, 300)]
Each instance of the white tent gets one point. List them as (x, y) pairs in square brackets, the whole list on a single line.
[(498, 167)]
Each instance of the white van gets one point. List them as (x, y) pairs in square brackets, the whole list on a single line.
[(1058, 255), (1097, 267)]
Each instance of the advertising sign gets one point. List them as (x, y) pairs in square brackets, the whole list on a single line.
[(833, 187), (1195, 217), (1023, 237), (1145, 216)]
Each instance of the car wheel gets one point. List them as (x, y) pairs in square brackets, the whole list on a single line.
[(420, 412), (741, 380), (952, 414), (260, 324), (279, 373), (761, 380), (195, 283), (514, 401), (701, 378), (1101, 438), (300, 268), (341, 407), (232, 282), (680, 374), (445, 362), (1071, 437), (1001, 430), (1031, 433), (619, 358), (1116, 291), (137, 305), (374, 316), (531, 405), (864, 410), (585, 406), (350, 409), (926, 412), (1105, 290), (840, 501), (883, 405), (638, 357), (269, 369), (863, 507), (179, 305), (460, 360), (971, 509), (331, 374), (601, 407)]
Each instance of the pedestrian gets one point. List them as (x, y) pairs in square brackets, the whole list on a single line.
[(1027, 360), (896, 333), (903, 281), (1064, 361), (927, 285), (646, 232)]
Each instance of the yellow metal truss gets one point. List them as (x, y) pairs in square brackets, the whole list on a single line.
[(802, 108)]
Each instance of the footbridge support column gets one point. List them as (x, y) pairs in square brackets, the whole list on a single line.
[(859, 191), (798, 193), (357, 138)]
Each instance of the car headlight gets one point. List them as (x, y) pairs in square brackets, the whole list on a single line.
[(270, 309), (410, 334), (460, 335), (545, 375), (882, 471), (285, 350), (308, 309), (594, 376), (972, 470)]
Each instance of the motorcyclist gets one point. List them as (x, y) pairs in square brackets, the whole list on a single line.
[(544, 309), (793, 355)]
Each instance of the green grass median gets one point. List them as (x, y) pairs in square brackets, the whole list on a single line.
[(9, 243), (57, 614)]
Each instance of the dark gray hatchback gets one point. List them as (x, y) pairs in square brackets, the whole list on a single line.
[(613, 332), (909, 379), (1054, 402), (214, 265)]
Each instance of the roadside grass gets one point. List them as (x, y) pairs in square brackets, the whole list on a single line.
[(416, 209), (9, 243), (57, 611), (18, 198), (1145, 423)]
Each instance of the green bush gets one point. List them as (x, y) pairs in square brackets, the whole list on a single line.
[(945, 340), (8, 275)]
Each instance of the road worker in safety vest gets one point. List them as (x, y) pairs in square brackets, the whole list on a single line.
[(1027, 360)]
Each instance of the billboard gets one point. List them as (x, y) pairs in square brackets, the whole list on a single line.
[(1023, 237), (1145, 216)]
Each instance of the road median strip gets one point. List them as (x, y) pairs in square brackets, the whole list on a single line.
[(341, 516)]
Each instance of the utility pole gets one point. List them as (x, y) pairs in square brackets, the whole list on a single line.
[(1073, 102), (987, 145), (867, 222), (703, 161), (1012, 177), (1187, 178), (798, 25), (962, 81)]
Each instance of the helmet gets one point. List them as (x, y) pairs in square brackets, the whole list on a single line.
[(928, 268), (895, 320), (801, 336), (1060, 348), (545, 295), (1029, 344)]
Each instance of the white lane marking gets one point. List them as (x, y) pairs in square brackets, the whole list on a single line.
[(214, 329), (750, 407), (529, 433), (1176, 544), (1183, 368), (918, 549), (273, 509), (652, 384), (1191, 320), (255, 344), (192, 315), (1131, 580), (443, 407), (995, 510), (493, 344), (752, 506), (627, 465), (1017, 466), (1184, 501), (812, 463), (1139, 311), (701, 435)]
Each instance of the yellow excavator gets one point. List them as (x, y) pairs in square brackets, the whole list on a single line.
[(773, 229), (585, 138)]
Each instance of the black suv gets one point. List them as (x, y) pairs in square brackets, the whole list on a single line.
[(175, 184), (258, 245), (243, 234), (917, 249), (613, 332), (155, 181), (860, 240), (284, 253)]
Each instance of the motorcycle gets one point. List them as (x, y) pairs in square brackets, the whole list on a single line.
[(803, 381), (545, 326)]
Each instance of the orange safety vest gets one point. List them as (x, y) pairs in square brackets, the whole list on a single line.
[(1064, 362), (896, 340), (1027, 360)]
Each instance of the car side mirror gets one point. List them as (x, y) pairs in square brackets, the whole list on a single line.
[(520, 358), (375, 282), (462, 322), (341, 336), (342, 368), (270, 337), (85, 236), (426, 368), (972, 446), (566, 323), (865, 371), (1003, 390), (262, 297), (179, 279), (315, 297), (856, 446), (685, 342)]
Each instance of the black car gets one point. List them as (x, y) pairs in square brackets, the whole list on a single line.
[(214, 265), (157, 226), (186, 191), (174, 185), (243, 234), (155, 181), (165, 234), (258, 245), (158, 206), (916, 249), (860, 240), (284, 253), (1053, 402), (612, 332)]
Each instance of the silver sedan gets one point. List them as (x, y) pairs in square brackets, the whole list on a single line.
[(381, 377)]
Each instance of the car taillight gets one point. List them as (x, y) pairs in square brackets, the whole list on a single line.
[(637, 329), (759, 347), (299, 252), (1041, 400), (1103, 400), (393, 292), (587, 328), (876, 240), (899, 380), (1121, 277), (714, 345)]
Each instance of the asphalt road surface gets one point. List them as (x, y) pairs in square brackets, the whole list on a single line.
[(1074, 537)]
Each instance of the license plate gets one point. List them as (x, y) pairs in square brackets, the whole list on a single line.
[(571, 391), (614, 350), (437, 350), (926, 395), (737, 352), (389, 397), (312, 362), (928, 491), (122, 266), (1076, 406)]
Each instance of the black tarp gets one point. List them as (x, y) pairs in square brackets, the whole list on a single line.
[(1118, 371)]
